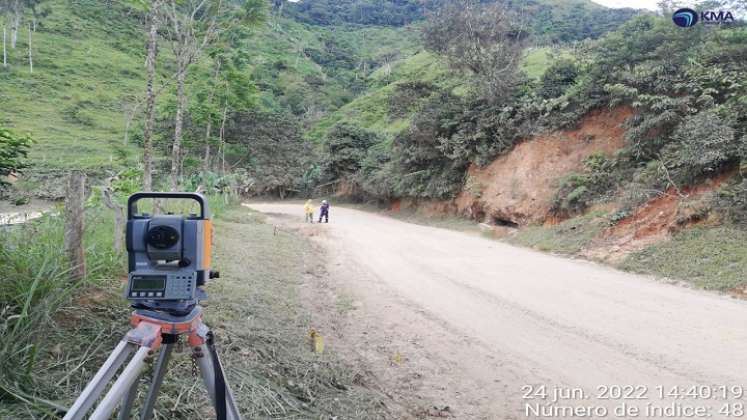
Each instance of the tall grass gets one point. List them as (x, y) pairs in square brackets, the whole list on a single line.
[(34, 285)]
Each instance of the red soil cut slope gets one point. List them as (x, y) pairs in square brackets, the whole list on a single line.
[(519, 187), (654, 221)]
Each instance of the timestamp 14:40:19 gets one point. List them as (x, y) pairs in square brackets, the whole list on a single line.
[(701, 392)]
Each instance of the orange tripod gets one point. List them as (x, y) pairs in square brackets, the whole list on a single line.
[(151, 331)]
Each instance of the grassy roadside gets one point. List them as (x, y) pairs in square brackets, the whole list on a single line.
[(567, 238), (706, 257), (263, 326), (50, 327), (256, 312), (713, 258)]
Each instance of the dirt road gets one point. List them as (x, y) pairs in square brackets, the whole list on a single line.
[(467, 324)]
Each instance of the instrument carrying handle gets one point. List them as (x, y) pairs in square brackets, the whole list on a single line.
[(199, 198)]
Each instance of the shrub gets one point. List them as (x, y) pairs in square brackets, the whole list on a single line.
[(731, 202), (268, 147), (346, 146), (579, 190), (407, 96), (702, 146), (13, 151), (375, 176), (558, 78), (421, 167)]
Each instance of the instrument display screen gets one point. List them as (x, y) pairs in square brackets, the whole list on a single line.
[(148, 283)]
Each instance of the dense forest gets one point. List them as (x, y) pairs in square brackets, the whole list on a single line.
[(566, 21)]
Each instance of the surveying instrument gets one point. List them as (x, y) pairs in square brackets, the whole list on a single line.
[(168, 263)]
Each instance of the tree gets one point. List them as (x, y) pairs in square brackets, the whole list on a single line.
[(703, 145), (13, 151), (363, 12), (229, 88), (14, 10), (150, 108), (192, 26), (36, 13), (269, 146), (346, 147), (558, 78), (482, 40), (277, 7), (419, 167)]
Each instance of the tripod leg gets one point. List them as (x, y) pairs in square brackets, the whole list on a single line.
[(129, 399), (231, 408), (206, 355), (122, 385), (158, 373), (94, 388), (204, 362)]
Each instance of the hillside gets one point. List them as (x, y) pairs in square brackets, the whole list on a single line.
[(87, 67), (87, 85), (378, 109), (88, 79)]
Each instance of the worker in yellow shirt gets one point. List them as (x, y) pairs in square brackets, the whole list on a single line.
[(308, 209)]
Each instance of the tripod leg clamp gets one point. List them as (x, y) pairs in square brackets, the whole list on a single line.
[(198, 335), (145, 334)]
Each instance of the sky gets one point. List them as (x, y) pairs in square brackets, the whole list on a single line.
[(739, 12), (635, 4)]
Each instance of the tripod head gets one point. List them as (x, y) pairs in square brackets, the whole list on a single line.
[(169, 255)]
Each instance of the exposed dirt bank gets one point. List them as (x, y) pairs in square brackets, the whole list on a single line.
[(518, 188), (655, 221)]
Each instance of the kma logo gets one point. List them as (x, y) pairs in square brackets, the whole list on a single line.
[(717, 17), (689, 17), (685, 17)]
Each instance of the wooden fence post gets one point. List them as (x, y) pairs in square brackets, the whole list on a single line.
[(75, 224)]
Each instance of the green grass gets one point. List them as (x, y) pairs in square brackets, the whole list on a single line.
[(423, 67), (371, 110), (568, 237), (72, 103), (88, 68), (284, 69), (709, 258), (538, 59)]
